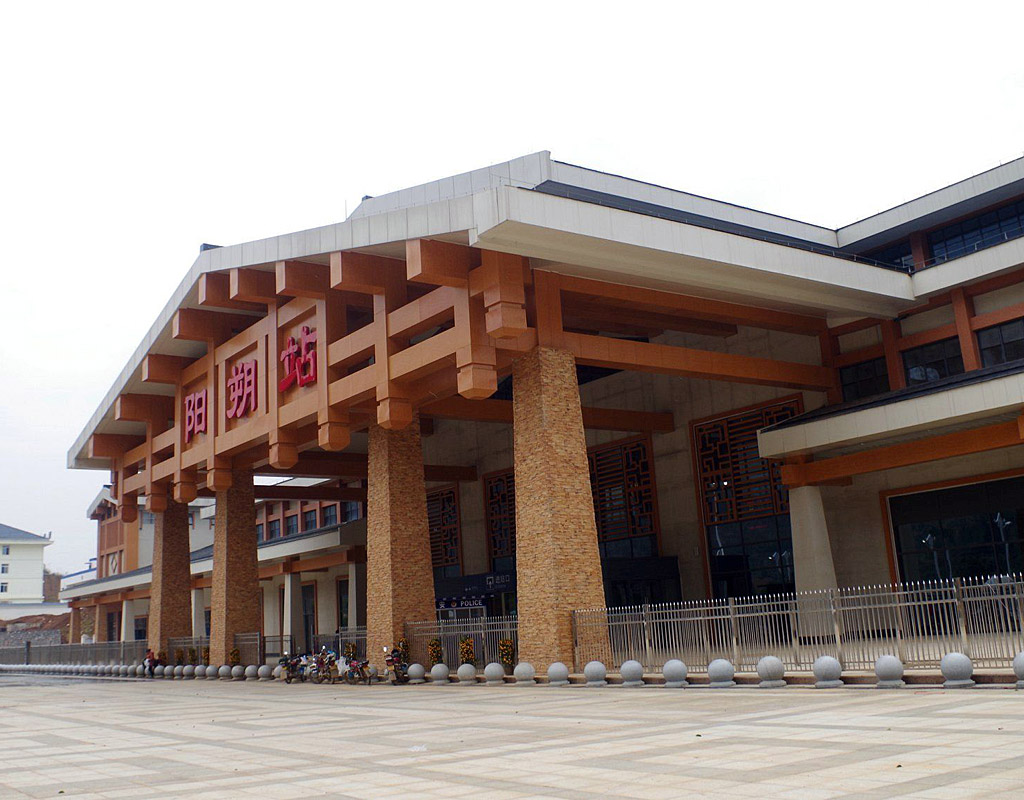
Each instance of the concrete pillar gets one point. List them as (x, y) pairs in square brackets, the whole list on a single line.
[(354, 620), (558, 565), (198, 613), (169, 606), (400, 577), (292, 611), (75, 629), (234, 600), (812, 550), (127, 620)]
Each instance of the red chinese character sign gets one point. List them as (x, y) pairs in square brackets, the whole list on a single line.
[(195, 414), (299, 360), (242, 397)]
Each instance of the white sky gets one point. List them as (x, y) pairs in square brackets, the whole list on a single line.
[(132, 132)]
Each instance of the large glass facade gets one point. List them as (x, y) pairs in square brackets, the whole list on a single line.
[(960, 532)]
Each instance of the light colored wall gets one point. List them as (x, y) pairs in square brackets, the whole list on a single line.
[(24, 578), (200, 535)]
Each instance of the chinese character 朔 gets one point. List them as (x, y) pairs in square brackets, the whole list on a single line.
[(242, 399)]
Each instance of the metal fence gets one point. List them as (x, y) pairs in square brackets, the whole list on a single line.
[(354, 637), (918, 622), (486, 633), (95, 653), (193, 649), (250, 648)]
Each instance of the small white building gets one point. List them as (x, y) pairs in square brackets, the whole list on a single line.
[(21, 574)]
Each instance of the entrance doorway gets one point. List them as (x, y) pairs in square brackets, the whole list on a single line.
[(309, 613)]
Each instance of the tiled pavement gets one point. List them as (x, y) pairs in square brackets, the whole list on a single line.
[(95, 738)]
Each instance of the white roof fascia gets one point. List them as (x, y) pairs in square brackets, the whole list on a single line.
[(991, 180), (954, 406), (968, 269), (615, 245), (692, 203)]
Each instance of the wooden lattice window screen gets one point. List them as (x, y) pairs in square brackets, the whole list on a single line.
[(622, 483), (735, 482), (500, 502), (443, 523)]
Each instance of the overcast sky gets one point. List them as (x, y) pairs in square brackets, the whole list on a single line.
[(133, 132)]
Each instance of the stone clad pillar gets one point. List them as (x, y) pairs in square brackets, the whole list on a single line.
[(399, 572), (812, 551), (127, 620), (169, 611), (558, 565), (99, 626), (234, 600), (292, 612)]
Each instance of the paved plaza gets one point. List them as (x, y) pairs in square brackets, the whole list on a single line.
[(113, 738)]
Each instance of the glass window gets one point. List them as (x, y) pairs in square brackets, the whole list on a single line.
[(1002, 343), (291, 525), (977, 233), (897, 255), (3, 588), (865, 379), (352, 511), (4, 569), (309, 520), (933, 361), (259, 531), (330, 515), (274, 529), (961, 532), (5, 550)]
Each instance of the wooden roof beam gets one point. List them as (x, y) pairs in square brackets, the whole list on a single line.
[(610, 419), (112, 445), (153, 408), (252, 286), (326, 492), (159, 368), (439, 263), (202, 325), (364, 273), (302, 279), (215, 292)]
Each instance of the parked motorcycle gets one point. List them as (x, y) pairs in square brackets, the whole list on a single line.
[(357, 671), (291, 668), (325, 666), (396, 667)]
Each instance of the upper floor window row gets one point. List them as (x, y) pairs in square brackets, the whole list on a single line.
[(898, 255), (1001, 343), (933, 361), (977, 233)]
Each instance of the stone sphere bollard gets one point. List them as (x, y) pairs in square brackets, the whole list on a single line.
[(595, 672), (957, 670), (558, 674), (373, 672), (238, 673), (179, 672), (632, 673), (131, 670), (158, 671), (189, 672), (123, 670), (416, 673), (200, 672), (224, 673), (1018, 669), (771, 671), (439, 674), (827, 673), (675, 674), (251, 672), (721, 673), (467, 674), (524, 673), (278, 671), (494, 674), (889, 671), (265, 672)]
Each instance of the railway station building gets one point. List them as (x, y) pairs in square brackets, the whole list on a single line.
[(535, 387)]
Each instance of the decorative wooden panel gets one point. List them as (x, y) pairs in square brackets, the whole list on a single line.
[(622, 483), (735, 482), (444, 525), (500, 511)]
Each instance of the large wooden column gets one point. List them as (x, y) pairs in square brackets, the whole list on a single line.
[(558, 566), (75, 626), (234, 601), (399, 573), (169, 600)]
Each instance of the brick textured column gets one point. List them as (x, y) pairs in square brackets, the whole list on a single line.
[(234, 600), (558, 566), (75, 626), (169, 599), (399, 574), (99, 628)]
